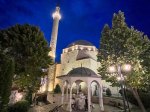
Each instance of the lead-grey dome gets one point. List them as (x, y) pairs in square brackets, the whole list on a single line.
[(82, 71), (81, 42)]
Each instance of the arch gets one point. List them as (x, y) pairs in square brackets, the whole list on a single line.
[(100, 93), (88, 80), (65, 82)]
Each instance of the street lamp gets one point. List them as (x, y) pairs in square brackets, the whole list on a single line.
[(119, 69)]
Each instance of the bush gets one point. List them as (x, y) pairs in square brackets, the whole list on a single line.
[(57, 89), (108, 92), (21, 106), (145, 97), (148, 110), (42, 98), (120, 91)]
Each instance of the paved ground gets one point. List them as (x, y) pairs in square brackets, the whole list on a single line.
[(97, 109), (49, 107)]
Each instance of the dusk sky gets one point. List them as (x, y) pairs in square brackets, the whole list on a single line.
[(81, 19)]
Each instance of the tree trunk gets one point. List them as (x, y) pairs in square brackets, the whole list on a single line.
[(137, 97)]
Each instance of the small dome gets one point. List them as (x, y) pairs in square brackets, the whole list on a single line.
[(80, 42), (82, 71)]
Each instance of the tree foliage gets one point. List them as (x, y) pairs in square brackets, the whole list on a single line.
[(6, 75), (29, 49), (57, 89), (108, 92), (21, 106), (121, 44), (124, 45)]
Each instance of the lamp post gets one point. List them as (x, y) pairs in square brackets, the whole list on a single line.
[(118, 69)]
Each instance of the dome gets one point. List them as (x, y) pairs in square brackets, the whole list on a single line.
[(80, 42), (82, 72)]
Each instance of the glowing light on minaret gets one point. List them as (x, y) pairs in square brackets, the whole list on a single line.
[(56, 17)]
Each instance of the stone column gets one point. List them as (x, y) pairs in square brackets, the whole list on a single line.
[(70, 99), (101, 98), (77, 87), (67, 92), (89, 97), (62, 95), (69, 108)]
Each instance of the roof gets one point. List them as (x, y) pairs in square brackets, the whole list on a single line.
[(82, 71), (81, 42)]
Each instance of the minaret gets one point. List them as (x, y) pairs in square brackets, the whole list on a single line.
[(52, 69), (56, 17)]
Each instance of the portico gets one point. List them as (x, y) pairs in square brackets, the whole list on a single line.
[(77, 76)]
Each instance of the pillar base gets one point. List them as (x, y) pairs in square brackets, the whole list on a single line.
[(68, 108)]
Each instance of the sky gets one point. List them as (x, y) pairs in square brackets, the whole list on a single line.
[(81, 19)]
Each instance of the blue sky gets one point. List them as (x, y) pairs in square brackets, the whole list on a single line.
[(81, 19)]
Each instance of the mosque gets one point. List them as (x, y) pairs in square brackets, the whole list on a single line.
[(78, 59)]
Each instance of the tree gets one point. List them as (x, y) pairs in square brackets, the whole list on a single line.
[(6, 75), (121, 44), (57, 89), (29, 49), (108, 92)]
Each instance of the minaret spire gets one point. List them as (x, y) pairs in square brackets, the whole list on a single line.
[(56, 17)]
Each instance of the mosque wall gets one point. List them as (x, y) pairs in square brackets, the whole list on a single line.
[(58, 73), (69, 57), (69, 61)]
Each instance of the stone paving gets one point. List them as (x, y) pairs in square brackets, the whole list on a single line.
[(47, 108)]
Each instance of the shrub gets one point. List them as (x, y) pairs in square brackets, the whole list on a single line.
[(57, 89), (148, 110), (145, 97), (21, 106), (108, 92), (120, 91), (42, 98)]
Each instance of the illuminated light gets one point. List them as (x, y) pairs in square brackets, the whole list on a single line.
[(125, 77), (112, 69), (76, 47), (51, 54), (44, 70), (65, 50), (56, 15), (50, 87), (94, 49), (126, 67), (118, 78), (89, 49), (19, 96), (81, 48), (72, 48)]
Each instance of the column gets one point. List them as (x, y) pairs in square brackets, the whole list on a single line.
[(77, 87), (101, 98), (62, 95), (69, 108), (89, 97), (67, 92)]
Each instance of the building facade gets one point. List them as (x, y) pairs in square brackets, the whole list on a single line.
[(80, 53)]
